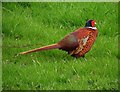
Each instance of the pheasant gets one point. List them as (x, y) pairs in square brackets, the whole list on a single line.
[(77, 43)]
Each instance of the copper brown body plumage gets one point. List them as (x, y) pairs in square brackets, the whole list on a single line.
[(77, 43)]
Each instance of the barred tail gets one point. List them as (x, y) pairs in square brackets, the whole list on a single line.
[(48, 47)]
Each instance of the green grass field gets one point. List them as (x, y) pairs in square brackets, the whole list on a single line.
[(25, 25)]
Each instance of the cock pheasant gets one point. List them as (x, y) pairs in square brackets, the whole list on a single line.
[(77, 43)]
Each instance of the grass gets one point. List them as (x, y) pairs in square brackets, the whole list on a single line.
[(29, 24)]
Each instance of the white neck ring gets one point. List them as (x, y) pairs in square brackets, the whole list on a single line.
[(92, 27)]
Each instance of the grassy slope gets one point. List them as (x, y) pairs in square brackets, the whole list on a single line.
[(47, 23)]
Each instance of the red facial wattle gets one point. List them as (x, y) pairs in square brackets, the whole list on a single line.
[(93, 23)]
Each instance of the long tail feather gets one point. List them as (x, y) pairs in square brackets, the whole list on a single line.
[(48, 47)]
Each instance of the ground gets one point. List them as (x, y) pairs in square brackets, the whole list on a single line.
[(30, 25)]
